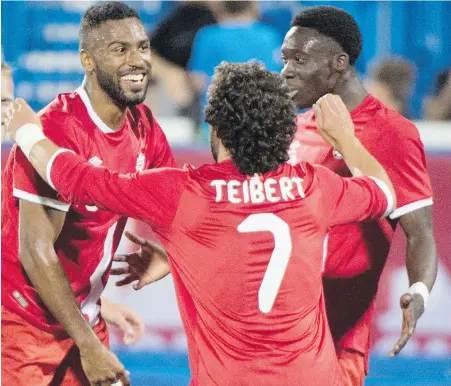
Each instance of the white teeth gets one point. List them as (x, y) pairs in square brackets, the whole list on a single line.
[(134, 78)]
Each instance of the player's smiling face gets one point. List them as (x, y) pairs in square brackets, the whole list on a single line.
[(122, 56), (308, 65)]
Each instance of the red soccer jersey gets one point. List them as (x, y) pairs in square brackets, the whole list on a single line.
[(89, 236), (357, 252), (241, 249)]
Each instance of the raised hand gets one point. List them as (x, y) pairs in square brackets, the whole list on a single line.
[(18, 115), (333, 120), (147, 265)]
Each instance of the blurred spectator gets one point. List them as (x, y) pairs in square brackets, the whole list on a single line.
[(171, 44), (7, 94), (238, 37), (391, 81), (438, 106)]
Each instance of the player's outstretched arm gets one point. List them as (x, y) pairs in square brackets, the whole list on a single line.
[(80, 182), (336, 127)]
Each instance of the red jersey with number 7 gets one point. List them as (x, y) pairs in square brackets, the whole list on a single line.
[(90, 235), (246, 255)]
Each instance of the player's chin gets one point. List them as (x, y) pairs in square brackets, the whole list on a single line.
[(135, 98), (302, 102)]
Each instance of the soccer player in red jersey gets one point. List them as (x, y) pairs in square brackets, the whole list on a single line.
[(319, 53), (52, 329), (244, 235)]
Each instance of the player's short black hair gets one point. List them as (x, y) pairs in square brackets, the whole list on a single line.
[(102, 12), (252, 114), (334, 23), (235, 7)]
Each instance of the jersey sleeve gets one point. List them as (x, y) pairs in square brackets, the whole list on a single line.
[(349, 200), (404, 159), (151, 196), (27, 184)]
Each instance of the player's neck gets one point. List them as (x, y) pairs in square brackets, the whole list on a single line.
[(109, 112), (351, 90), (223, 154)]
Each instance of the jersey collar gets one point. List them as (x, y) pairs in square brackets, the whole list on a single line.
[(92, 114)]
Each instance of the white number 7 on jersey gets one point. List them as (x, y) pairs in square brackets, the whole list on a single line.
[(279, 258)]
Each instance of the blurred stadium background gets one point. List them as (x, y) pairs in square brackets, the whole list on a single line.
[(40, 42)]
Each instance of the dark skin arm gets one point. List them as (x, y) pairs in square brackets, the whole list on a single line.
[(39, 228), (421, 264)]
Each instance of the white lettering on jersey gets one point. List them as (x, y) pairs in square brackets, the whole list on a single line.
[(256, 191)]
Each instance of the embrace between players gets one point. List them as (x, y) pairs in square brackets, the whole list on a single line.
[(257, 242)]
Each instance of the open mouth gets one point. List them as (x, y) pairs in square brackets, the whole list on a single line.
[(134, 80)]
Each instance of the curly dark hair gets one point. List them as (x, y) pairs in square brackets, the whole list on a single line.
[(334, 23), (252, 114), (102, 12)]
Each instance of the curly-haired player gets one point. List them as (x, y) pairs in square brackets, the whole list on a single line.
[(319, 53), (244, 236)]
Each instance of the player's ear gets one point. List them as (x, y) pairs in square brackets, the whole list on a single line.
[(341, 62), (86, 61)]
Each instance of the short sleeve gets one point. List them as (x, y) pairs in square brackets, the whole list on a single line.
[(349, 200), (405, 163), (27, 184)]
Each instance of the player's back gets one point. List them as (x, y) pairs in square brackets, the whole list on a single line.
[(250, 285)]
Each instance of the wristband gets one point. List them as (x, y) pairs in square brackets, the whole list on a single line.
[(420, 288), (27, 136)]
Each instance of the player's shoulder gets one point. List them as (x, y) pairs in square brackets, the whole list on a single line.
[(62, 117), (391, 124), (305, 171)]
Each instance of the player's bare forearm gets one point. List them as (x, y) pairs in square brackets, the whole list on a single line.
[(39, 229), (40, 156), (421, 253)]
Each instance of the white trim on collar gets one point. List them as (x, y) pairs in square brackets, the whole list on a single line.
[(92, 114)]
